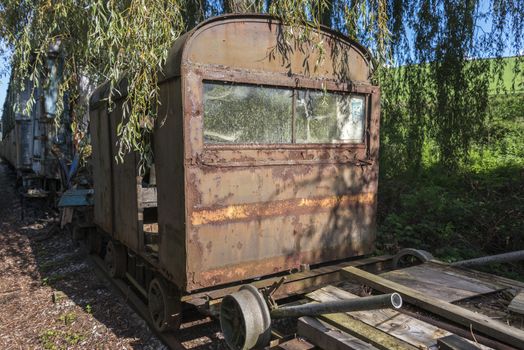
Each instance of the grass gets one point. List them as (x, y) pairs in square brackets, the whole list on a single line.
[(474, 210), (50, 280), (58, 339), (508, 75), (506, 81), (68, 318), (53, 339)]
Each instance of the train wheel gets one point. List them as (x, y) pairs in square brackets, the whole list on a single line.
[(116, 259), (164, 306), (94, 242), (409, 257), (245, 319)]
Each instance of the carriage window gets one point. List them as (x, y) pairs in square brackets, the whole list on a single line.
[(243, 114), (323, 117), (247, 114)]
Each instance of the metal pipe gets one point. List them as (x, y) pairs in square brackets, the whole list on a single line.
[(499, 258), (385, 301), (136, 284)]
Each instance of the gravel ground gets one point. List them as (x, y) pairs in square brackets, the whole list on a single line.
[(50, 297)]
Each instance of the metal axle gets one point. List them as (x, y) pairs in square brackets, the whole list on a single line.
[(385, 301), (499, 258), (245, 316)]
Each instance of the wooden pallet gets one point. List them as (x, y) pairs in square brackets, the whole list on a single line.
[(326, 336), (382, 329), (476, 322), (442, 281), (388, 329)]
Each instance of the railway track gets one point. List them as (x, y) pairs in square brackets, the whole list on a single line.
[(200, 331), (197, 330), (173, 340)]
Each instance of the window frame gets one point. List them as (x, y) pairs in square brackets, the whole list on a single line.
[(304, 84)]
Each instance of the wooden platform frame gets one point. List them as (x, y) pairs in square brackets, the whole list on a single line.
[(470, 319)]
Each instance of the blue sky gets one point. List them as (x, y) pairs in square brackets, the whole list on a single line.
[(4, 78)]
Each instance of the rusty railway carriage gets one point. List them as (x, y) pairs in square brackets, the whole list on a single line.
[(266, 162)]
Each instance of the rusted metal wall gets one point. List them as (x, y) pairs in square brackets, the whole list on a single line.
[(255, 210), (101, 161), (227, 213)]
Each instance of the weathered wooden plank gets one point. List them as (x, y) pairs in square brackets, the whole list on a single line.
[(326, 336), (481, 276), (517, 304), (440, 282), (454, 342), (124, 185), (365, 332), (102, 168), (405, 327), (295, 344), (476, 322)]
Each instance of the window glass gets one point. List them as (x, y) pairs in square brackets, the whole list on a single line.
[(323, 117), (246, 114)]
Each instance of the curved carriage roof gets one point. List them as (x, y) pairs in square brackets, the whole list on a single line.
[(249, 49)]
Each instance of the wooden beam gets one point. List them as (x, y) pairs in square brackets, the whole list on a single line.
[(483, 276), (443, 282), (415, 332), (326, 336), (367, 333), (470, 319)]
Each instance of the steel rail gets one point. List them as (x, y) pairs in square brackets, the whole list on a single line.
[(133, 300)]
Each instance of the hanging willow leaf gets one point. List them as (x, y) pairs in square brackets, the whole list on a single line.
[(440, 97)]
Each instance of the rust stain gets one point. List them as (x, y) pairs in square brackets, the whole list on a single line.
[(331, 202), (260, 267), (258, 210), (226, 210)]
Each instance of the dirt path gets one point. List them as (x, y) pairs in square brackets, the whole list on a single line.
[(50, 298)]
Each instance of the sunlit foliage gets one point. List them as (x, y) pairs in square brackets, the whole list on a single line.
[(107, 40), (441, 92), (444, 98)]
